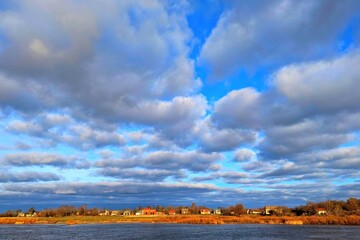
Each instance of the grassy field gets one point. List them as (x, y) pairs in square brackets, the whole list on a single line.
[(186, 219)]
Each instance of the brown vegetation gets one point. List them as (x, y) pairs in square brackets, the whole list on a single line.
[(188, 219)]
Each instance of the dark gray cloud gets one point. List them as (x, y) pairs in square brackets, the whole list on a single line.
[(287, 169), (114, 188), (58, 128), (307, 30), (351, 189), (85, 137), (167, 160), (22, 95), (37, 159), (28, 177), (72, 54), (335, 164), (226, 176), (303, 111), (338, 158), (125, 193), (156, 175), (258, 166), (286, 141), (238, 109), (214, 139), (134, 194)]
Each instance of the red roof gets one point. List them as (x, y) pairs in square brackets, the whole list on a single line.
[(148, 210)]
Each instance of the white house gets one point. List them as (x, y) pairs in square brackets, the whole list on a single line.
[(21, 214)]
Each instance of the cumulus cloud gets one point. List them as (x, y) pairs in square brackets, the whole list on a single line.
[(114, 92), (28, 177), (59, 128), (310, 135), (167, 160), (287, 169), (323, 95), (23, 96), (244, 154), (114, 188), (188, 109), (336, 158), (36, 159), (86, 137), (299, 113), (228, 177), (156, 175), (94, 59), (126, 192), (238, 109), (212, 139), (25, 128), (256, 34), (327, 86)]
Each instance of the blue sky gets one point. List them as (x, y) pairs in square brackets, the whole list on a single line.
[(130, 103)]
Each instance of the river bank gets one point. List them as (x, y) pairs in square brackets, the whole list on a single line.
[(186, 219)]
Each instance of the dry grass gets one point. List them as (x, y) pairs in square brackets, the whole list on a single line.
[(187, 219)]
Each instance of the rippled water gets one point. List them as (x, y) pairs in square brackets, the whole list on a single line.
[(177, 231)]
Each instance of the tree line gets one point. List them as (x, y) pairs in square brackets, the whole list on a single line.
[(332, 207)]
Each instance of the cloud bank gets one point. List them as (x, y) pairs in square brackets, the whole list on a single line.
[(114, 103)]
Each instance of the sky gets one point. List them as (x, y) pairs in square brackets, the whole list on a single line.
[(120, 104)]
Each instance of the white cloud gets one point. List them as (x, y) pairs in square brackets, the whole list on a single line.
[(37, 159), (323, 86), (212, 139), (238, 109), (255, 34), (244, 154), (25, 127), (96, 60)]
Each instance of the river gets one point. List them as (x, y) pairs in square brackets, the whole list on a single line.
[(177, 231)]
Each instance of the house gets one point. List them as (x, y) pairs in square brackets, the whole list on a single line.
[(106, 213), (269, 210), (34, 214), (254, 211), (321, 211), (138, 213), (205, 211), (21, 214), (127, 213), (185, 211), (172, 212), (217, 211), (115, 213), (148, 211)]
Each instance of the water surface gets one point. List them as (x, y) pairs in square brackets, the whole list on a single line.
[(177, 231)]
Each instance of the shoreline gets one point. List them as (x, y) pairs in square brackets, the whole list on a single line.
[(186, 219)]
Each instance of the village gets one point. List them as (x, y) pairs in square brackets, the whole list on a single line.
[(232, 211), (267, 210), (350, 207), (328, 212)]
